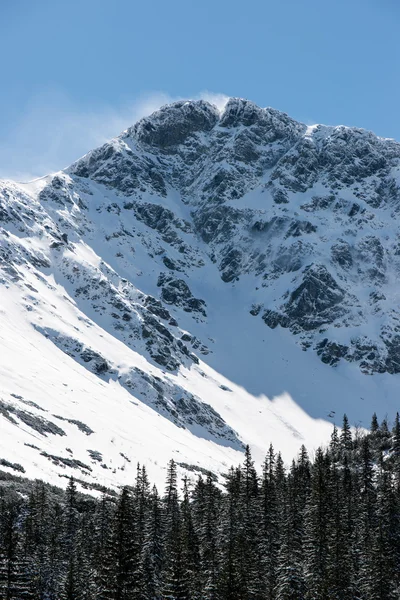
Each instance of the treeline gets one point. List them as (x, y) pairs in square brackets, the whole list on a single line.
[(323, 529)]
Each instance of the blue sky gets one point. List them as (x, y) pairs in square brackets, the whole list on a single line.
[(76, 72)]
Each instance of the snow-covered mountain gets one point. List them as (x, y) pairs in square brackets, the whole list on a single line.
[(206, 280)]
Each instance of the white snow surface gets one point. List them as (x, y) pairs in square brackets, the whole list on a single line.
[(265, 387)]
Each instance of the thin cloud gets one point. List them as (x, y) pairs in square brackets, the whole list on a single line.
[(219, 100), (54, 131)]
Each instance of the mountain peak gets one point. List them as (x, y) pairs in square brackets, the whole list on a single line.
[(173, 123), (187, 271)]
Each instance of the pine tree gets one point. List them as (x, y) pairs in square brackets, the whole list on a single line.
[(290, 579), (366, 516), (345, 436), (9, 511), (190, 548), (86, 579), (316, 534), (71, 587), (124, 546), (290, 583), (36, 538), (229, 580), (105, 550), (339, 537), (374, 424), (384, 436), (141, 506), (22, 588), (152, 553), (382, 548), (55, 552), (206, 511), (269, 528), (248, 543), (301, 481), (174, 581), (334, 446)]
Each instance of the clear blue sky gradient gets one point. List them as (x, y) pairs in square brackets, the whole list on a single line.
[(331, 62)]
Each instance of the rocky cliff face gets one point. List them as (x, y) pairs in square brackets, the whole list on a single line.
[(310, 209), (192, 214)]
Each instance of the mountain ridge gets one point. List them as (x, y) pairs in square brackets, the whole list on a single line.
[(227, 257)]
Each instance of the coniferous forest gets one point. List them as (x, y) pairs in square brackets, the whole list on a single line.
[(325, 528)]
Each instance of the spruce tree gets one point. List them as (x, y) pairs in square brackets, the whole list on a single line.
[(124, 546), (55, 551), (269, 528), (71, 587), (11, 568), (382, 549), (374, 428), (152, 553), (190, 548), (105, 550), (248, 542), (229, 553), (384, 436), (174, 577), (36, 538), (141, 507), (334, 446), (339, 581), (366, 517), (290, 584), (316, 532), (206, 512), (345, 436)]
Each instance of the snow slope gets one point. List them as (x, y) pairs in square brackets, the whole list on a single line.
[(204, 281)]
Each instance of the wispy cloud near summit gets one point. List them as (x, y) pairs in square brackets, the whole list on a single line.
[(54, 131)]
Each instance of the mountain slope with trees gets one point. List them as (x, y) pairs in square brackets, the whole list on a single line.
[(207, 280), (325, 528)]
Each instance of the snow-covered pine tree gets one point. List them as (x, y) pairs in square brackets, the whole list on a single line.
[(339, 538), (15, 580), (290, 583), (190, 547), (71, 585), (228, 538), (36, 538), (174, 576), (346, 442), (316, 532), (248, 541), (124, 532), (269, 528), (384, 534), (366, 517), (105, 549), (206, 510), (152, 553), (141, 506)]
